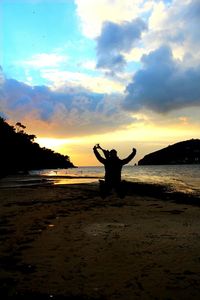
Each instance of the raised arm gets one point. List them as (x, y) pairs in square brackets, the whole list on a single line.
[(129, 158), (98, 156), (105, 152)]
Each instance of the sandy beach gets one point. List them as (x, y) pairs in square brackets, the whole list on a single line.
[(65, 242)]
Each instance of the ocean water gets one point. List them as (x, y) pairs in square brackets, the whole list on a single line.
[(181, 178)]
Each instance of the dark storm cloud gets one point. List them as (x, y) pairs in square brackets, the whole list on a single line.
[(117, 38), (163, 84)]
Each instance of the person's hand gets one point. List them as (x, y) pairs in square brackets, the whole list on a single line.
[(134, 150), (96, 146)]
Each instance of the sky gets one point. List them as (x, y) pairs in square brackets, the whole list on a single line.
[(122, 73)]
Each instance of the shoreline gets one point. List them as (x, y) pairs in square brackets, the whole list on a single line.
[(157, 190), (35, 180), (65, 242)]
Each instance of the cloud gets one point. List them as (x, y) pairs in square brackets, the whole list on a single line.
[(192, 17), (163, 84), (96, 83), (93, 14), (176, 25), (2, 77), (115, 39), (65, 111), (44, 60), (120, 37), (173, 23)]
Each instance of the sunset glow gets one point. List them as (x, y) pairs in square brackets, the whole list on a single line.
[(120, 73)]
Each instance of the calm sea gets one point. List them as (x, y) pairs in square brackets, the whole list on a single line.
[(182, 178)]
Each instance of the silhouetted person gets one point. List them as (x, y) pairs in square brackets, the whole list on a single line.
[(113, 167)]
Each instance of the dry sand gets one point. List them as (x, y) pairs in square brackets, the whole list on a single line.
[(65, 242)]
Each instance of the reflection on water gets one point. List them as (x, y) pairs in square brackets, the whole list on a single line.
[(74, 180), (182, 178)]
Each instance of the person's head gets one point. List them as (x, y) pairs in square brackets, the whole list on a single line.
[(113, 153)]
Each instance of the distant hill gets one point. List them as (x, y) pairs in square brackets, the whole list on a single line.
[(19, 152), (186, 152)]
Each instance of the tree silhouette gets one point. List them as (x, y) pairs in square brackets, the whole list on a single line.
[(19, 152), (20, 127)]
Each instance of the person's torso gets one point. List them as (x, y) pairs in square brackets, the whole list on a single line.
[(113, 169)]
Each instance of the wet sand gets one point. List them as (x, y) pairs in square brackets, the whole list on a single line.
[(65, 242)]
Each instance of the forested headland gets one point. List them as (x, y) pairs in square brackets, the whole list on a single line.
[(20, 153), (184, 152)]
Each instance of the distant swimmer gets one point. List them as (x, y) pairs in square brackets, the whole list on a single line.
[(113, 167)]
